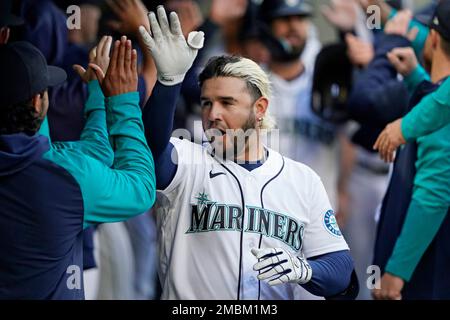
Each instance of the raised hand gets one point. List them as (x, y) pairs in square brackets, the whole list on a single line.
[(99, 55), (225, 11), (359, 52), (399, 24), (173, 55), (188, 12), (342, 14), (121, 76), (131, 13)]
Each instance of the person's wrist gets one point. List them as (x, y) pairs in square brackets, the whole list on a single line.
[(306, 271), (169, 80)]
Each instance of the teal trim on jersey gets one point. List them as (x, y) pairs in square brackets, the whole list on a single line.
[(415, 78), (419, 42), (430, 114), (128, 190), (429, 205), (45, 130)]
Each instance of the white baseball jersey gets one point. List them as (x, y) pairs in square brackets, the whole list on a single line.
[(214, 211)]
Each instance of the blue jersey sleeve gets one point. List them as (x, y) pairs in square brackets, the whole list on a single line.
[(158, 115), (331, 273)]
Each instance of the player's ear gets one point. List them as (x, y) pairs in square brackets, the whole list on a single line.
[(261, 106), (434, 39), (37, 102)]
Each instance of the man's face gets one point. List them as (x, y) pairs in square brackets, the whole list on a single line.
[(293, 29), (227, 114)]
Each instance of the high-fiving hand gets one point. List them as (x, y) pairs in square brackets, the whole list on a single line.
[(121, 76), (279, 266), (99, 55), (173, 55)]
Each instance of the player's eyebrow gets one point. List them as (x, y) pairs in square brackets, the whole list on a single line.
[(223, 98)]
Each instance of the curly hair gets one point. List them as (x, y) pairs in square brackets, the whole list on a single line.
[(19, 117)]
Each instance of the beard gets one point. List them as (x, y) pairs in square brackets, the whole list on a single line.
[(235, 142), (285, 52)]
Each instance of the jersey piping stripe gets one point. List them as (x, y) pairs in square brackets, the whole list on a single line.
[(262, 206), (242, 230)]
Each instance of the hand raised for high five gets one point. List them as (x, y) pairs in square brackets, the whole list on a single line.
[(99, 55), (131, 14), (173, 55), (121, 76)]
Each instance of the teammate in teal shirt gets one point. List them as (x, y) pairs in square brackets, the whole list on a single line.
[(428, 123)]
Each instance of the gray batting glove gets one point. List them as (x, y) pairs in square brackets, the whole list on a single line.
[(280, 266), (173, 55)]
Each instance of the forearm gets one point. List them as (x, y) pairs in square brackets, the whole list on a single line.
[(158, 116), (419, 229), (331, 273), (126, 131), (129, 189), (94, 140), (431, 114), (148, 71)]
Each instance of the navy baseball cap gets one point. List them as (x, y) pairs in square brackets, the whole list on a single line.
[(24, 73), (441, 19), (271, 9), (6, 17)]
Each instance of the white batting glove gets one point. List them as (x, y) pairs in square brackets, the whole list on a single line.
[(173, 55), (281, 266)]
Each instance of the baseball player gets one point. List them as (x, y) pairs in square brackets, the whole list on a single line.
[(413, 231), (235, 221), (50, 192)]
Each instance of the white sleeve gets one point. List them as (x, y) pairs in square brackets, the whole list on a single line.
[(322, 234)]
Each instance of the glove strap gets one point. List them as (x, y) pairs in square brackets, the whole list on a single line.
[(305, 271), (168, 80)]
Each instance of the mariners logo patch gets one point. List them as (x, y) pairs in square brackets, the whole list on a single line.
[(330, 223)]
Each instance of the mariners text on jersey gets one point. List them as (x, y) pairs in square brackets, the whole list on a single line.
[(212, 216)]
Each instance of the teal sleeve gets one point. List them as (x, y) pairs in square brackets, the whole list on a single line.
[(430, 114), (111, 195), (44, 129), (415, 78), (94, 140), (429, 205), (420, 227), (419, 42)]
